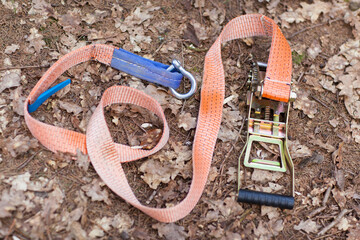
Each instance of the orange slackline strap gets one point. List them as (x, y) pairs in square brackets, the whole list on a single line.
[(107, 156)]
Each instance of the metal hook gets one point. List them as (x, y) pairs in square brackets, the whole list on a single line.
[(176, 65)]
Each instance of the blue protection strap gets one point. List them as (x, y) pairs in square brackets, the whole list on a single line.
[(45, 95), (146, 69)]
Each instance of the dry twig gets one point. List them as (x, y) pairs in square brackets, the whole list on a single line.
[(333, 223), (11, 229), (327, 195), (311, 27), (316, 211), (23, 67)]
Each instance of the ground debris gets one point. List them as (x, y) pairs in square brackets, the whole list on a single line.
[(170, 231), (95, 192), (308, 226)]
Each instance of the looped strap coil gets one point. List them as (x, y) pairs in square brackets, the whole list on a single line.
[(107, 156)]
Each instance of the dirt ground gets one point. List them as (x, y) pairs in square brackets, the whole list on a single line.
[(50, 196)]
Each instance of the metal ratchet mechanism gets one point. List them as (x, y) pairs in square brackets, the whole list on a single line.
[(267, 123)]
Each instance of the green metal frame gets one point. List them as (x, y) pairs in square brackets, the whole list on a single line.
[(273, 138)]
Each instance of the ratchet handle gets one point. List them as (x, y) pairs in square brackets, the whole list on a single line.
[(268, 199)]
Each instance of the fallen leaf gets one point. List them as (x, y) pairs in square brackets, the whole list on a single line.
[(77, 231), (340, 178), (315, 158), (232, 236), (297, 150), (11, 49), (167, 164), (104, 222), (9, 80), (156, 172), (36, 42), (313, 11), (20, 144), (150, 138), (71, 21), (134, 24), (326, 146), (70, 107), (355, 130), (347, 59), (98, 16), (12, 5), (276, 226), (17, 101), (96, 232), (354, 233), (263, 176), (303, 103), (270, 211), (309, 226), (170, 231), (122, 222), (190, 34), (335, 122), (19, 182), (231, 118), (343, 225), (42, 8), (186, 121), (335, 66), (164, 99), (227, 134), (213, 173), (339, 197), (82, 160), (314, 49), (232, 172), (290, 17), (199, 3), (201, 30), (95, 192), (261, 230), (337, 155), (215, 15), (216, 232), (53, 202)]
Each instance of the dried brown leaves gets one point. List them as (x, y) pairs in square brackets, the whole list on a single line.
[(166, 165)]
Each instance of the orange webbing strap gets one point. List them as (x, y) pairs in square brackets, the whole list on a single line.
[(107, 156), (278, 74), (56, 138)]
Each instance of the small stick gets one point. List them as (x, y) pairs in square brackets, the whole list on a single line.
[(327, 195), (158, 49), (98, 225), (316, 211), (328, 235), (333, 223), (321, 102), (11, 229), (23, 164), (151, 197), (300, 77), (127, 135), (23, 67), (309, 28), (244, 215)]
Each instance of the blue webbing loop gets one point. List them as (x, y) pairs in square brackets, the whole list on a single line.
[(146, 69)]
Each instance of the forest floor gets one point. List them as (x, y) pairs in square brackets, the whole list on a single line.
[(44, 195)]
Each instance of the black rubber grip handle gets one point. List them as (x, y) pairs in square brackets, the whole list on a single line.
[(268, 199)]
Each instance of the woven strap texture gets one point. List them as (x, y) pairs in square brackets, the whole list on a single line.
[(107, 156)]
